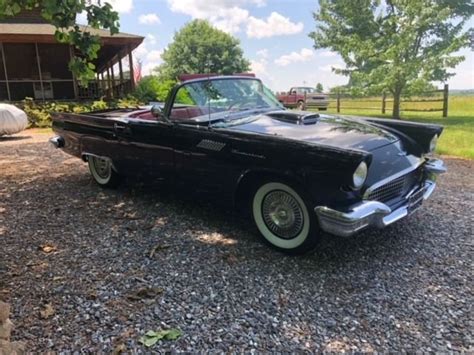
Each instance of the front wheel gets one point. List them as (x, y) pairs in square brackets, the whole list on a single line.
[(301, 105), (103, 172), (283, 219)]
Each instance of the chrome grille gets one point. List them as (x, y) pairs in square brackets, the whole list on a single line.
[(395, 188)]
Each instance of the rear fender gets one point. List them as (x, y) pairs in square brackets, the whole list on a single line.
[(417, 135)]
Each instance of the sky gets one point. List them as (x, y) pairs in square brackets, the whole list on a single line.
[(273, 35)]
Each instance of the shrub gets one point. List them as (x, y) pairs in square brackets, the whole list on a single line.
[(39, 113), (153, 88)]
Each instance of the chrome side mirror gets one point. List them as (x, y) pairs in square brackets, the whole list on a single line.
[(156, 111)]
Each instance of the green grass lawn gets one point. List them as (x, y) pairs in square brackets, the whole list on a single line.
[(41, 130), (457, 138)]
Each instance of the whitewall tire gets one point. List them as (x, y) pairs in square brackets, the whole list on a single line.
[(282, 217), (102, 171)]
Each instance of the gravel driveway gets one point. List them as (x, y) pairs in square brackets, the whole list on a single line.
[(90, 269)]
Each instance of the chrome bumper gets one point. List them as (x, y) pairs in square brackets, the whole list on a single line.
[(57, 141), (377, 214)]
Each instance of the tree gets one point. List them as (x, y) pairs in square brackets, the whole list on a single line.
[(200, 48), (62, 15), (393, 44), (319, 87)]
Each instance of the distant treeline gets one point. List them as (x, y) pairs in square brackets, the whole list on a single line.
[(469, 92)]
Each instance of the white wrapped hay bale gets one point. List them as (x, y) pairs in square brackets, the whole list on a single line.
[(12, 119)]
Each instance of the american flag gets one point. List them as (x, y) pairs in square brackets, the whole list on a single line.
[(137, 71)]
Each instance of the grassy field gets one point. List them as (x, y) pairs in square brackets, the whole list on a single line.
[(458, 135)]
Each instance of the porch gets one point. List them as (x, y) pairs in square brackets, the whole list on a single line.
[(33, 64)]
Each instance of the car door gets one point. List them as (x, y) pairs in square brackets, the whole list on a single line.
[(292, 96), (203, 161), (146, 147)]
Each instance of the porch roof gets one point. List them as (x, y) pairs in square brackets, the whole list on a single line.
[(43, 32), (113, 46)]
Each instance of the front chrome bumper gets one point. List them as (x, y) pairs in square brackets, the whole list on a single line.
[(377, 214)]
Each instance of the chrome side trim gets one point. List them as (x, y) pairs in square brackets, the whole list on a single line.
[(390, 178)]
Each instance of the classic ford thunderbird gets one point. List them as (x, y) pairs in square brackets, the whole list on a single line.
[(296, 173)]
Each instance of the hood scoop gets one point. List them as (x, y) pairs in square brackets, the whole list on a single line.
[(295, 117)]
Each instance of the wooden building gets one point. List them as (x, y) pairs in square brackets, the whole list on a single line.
[(33, 64)]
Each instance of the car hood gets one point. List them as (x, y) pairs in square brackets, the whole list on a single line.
[(323, 129)]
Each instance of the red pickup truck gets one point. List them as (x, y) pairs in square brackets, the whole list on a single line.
[(302, 97)]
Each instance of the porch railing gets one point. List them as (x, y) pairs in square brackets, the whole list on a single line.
[(113, 88)]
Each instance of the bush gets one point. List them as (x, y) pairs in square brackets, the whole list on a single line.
[(39, 113), (152, 88)]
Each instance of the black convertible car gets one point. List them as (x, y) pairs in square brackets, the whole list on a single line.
[(297, 173)]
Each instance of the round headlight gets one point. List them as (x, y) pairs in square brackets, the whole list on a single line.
[(360, 174), (433, 143)]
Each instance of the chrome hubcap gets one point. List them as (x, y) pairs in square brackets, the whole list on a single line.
[(102, 167), (282, 214)]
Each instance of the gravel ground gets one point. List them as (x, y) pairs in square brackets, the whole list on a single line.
[(90, 269)]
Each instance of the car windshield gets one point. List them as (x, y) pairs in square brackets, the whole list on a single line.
[(222, 99)]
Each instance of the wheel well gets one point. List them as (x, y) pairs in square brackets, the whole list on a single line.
[(249, 182)]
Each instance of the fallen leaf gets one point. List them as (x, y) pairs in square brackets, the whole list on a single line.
[(171, 334), (231, 258), (149, 341), (92, 295), (129, 216), (47, 311), (48, 248), (158, 248), (146, 292), (151, 333), (152, 337), (119, 349)]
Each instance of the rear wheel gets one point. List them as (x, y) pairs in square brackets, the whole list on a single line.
[(102, 171), (283, 218)]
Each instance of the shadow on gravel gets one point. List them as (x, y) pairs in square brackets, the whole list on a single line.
[(370, 245), (196, 222)]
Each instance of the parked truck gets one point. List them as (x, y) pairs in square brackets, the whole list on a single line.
[(303, 97)]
